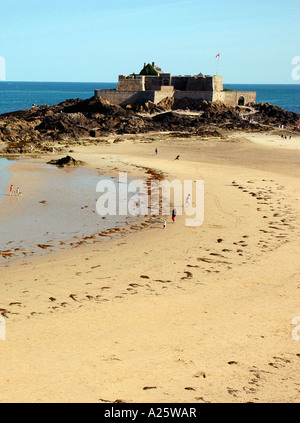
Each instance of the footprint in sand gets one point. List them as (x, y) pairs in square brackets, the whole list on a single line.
[(73, 296), (89, 297), (4, 312), (16, 303), (199, 375), (189, 275), (233, 392), (202, 399)]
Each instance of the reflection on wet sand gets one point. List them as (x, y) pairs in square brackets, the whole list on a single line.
[(55, 209)]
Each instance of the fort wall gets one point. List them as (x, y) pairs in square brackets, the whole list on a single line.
[(138, 89), (180, 83), (229, 98), (194, 95), (233, 98), (131, 83), (217, 83), (156, 82), (219, 97), (124, 98), (192, 83), (163, 93)]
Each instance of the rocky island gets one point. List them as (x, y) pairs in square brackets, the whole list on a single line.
[(94, 119)]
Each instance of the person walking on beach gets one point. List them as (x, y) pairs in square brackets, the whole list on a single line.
[(188, 200), (11, 190), (174, 214), (156, 151), (165, 224)]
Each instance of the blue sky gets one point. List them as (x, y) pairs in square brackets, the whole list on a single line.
[(96, 40)]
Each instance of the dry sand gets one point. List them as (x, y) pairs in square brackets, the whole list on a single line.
[(276, 141), (185, 314)]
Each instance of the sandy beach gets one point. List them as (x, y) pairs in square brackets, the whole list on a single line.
[(182, 314)]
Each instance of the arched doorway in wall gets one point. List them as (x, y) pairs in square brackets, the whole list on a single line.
[(241, 101)]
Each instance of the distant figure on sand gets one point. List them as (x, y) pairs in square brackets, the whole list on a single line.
[(174, 214), (18, 191), (11, 190), (177, 158), (165, 224), (188, 200), (156, 151)]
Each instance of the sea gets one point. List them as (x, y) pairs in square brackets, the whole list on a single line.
[(22, 95)]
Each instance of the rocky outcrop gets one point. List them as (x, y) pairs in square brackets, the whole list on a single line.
[(70, 124), (73, 119), (67, 161), (274, 115)]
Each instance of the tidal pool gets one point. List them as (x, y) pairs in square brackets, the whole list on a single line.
[(61, 212)]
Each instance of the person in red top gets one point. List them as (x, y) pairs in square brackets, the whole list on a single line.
[(174, 213)]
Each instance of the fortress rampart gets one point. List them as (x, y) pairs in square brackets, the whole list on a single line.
[(234, 98), (137, 89)]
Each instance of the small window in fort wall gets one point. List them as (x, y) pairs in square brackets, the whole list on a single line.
[(241, 101)]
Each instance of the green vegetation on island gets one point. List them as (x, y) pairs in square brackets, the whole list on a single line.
[(149, 70)]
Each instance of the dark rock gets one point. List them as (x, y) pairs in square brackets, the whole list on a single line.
[(274, 115), (67, 161), (95, 117)]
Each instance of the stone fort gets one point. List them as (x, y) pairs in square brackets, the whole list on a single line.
[(152, 84)]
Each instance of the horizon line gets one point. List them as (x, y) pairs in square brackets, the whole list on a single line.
[(111, 82)]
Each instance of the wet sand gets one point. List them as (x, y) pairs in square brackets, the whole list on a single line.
[(177, 315), (56, 210)]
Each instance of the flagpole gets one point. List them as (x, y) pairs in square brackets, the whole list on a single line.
[(218, 56)]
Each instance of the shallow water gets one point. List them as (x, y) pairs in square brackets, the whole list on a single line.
[(60, 214), (4, 175)]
